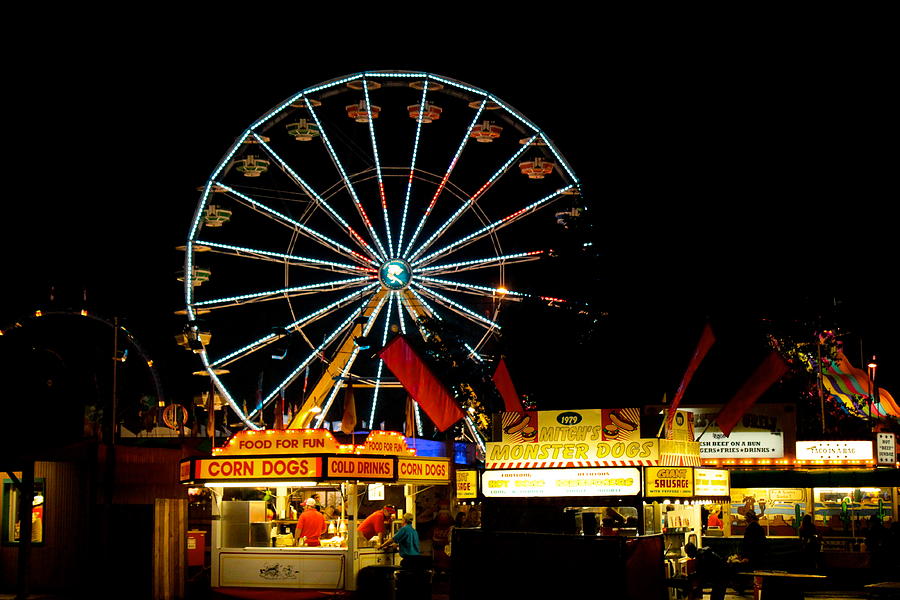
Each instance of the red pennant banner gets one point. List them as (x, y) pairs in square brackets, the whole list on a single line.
[(421, 383), (511, 400), (770, 371)]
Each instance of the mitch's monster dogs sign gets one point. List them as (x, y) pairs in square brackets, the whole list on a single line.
[(573, 438)]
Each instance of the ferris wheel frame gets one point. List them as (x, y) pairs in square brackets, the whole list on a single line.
[(368, 256)]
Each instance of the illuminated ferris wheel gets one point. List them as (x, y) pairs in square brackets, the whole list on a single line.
[(353, 209)]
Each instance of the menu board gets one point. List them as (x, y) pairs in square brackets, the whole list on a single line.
[(624, 481)]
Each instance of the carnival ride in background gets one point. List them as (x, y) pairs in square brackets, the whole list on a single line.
[(352, 211)]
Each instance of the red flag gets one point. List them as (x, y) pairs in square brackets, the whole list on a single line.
[(420, 383), (706, 341), (770, 371), (348, 420), (511, 400)]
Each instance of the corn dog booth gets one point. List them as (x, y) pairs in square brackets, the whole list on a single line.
[(252, 541), (584, 493)]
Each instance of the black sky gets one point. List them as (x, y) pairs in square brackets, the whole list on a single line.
[(726, 183)]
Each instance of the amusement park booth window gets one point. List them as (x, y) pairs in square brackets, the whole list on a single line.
[(12, 498)]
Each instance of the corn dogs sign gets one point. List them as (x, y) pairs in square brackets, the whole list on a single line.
[(573, 438)]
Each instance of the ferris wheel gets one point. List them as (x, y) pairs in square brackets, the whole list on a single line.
[(350, 211)]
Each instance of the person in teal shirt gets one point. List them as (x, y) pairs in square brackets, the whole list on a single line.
[(407, 538)]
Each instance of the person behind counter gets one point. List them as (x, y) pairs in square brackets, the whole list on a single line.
[(407, 538), (377, 523), (310, 525)]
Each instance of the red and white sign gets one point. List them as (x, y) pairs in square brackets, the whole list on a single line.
[(419, 469), (359, 467)]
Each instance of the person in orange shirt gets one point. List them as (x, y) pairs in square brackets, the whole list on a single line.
[(377, 523), (310, 525)]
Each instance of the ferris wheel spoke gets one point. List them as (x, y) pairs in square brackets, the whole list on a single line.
[(459, 308), (492, 227), (229, 301), (412, 165), (321, 202), (479, 263), (346, 179), (400, 318), (470, 288), (308, 319), (303, 229), (353, 356), (326, 310), (387, 324), (471, 201), (280, 257), (446, 176), (317, 352), (381, 194)]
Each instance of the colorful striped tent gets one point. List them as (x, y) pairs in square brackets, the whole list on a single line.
[(853, 390)]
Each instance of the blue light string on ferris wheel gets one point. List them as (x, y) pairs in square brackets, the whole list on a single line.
[(495, 225), (400, 313), (340, 167), (224, 392), (322, 285), (446, 176), (387, 321), (336, 303), (252, 346), (319, 200), (471, 286), (477, 263), (318, 350), (412, 165), (381, 193), (473, 353), (334, 390), (263, 341), (468, 203), (458, 306), (290, 257), (304, 228)]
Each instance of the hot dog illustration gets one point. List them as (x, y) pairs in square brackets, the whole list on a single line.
[(621, 422), (519, 423)]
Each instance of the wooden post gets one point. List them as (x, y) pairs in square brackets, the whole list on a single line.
[(169, 548), (26, 498)]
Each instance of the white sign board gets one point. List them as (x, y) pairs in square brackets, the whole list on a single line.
[(742, 444), (625, 481), (886, 448), (834, 450), (759, 433)]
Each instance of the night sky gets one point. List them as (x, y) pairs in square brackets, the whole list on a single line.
[(725, 184)]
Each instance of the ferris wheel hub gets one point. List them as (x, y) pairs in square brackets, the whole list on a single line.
[(395, 274)]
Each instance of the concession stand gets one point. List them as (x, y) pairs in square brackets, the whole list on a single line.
[(589, 479), (841, 483), (260, 480)]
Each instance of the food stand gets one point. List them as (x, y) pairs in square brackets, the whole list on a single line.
[(252, 541), (841, 483), (591, 480)]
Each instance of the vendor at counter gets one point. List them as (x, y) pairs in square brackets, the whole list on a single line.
[(310, 525), (377, 523)]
